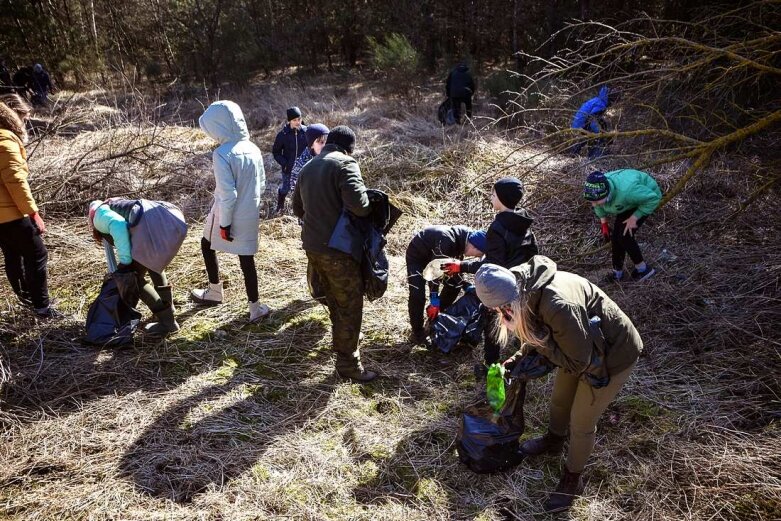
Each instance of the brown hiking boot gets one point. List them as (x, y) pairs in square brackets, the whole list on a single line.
[(547, 444), (359, 374), (570, 486)]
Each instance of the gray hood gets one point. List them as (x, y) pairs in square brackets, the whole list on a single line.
[(223, 121)]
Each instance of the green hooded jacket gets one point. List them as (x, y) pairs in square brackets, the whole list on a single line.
[(564, 302), (630, 189)]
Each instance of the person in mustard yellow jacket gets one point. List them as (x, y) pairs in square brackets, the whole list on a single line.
[(21, 226)]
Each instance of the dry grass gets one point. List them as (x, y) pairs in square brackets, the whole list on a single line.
[(233, 421)]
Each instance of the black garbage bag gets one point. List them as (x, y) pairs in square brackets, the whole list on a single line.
[(460, 322), (445, 113), (111, 321), (488, 442)]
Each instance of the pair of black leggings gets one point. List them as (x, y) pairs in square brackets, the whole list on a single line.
[(247, 263), (25, 261), (623, 244)]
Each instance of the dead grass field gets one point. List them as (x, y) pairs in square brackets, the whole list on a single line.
[(227, 420)]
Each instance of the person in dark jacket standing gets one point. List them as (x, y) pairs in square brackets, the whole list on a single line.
[(288, 145), (509, 242), (329, 183), (432, 243), (566, 319), (460, 87), (42, 85)]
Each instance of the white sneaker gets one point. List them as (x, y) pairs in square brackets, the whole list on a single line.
[(210, 296), (258, 311)]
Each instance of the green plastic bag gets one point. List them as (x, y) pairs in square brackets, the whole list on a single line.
[(494, 387)]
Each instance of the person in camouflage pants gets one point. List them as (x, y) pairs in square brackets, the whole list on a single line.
[(328, 185), (339, 279)]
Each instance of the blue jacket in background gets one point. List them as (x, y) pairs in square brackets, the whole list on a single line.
[(288, 145), (587, 114)]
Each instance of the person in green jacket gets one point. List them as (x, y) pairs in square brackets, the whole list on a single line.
[(577, 328), (630, 195), (327, 184)]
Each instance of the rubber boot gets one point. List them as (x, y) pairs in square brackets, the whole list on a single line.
[(549, 443), (570, 486), (211, 296), (166, 323), (358, 374), (166, 295)]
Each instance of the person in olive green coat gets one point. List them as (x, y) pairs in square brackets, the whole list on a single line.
[(630, 195), (326, 185), (579, 329)]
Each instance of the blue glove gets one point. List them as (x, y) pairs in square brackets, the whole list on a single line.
[(434, 299), (470, 288)]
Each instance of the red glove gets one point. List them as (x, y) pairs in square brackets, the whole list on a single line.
[(605, 227), (432, 312), (225, 233), (451, 268), (38, 222)]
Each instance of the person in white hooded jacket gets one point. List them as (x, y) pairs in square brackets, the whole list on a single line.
[(232, 224)]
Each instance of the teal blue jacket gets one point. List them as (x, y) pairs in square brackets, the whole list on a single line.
[(109, 222), (630, 189)]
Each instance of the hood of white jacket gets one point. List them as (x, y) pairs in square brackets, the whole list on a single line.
[(224, 121)]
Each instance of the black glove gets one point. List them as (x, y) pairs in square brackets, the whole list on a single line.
[(123, 268)]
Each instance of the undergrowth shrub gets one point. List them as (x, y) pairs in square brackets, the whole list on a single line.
[(397, 59)]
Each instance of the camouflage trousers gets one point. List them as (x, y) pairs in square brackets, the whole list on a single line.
[(342, 285)]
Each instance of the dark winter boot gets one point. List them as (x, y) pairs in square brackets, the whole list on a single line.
[(166, 323), (166, 295), (570, 487), (547, 444), (280, 204), (357, 374)]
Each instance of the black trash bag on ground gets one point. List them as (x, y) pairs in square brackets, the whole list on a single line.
[(445, 113), (460, 322), (488, 442), (110, 321)]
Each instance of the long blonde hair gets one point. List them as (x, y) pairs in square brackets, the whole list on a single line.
[(525, 325), (13, 111)]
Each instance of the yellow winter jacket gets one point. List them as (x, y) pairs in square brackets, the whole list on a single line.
[(16, 199)]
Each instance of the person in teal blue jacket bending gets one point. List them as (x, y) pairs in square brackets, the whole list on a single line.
[(630, 195), (146, 236)]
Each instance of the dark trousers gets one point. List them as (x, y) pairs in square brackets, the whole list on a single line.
[(467, 101), (284, 186), (25, 261), (451, 286), (148, 292), (247, 263), (623, 244), (341, 282)]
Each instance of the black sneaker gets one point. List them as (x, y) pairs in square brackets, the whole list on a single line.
[(637, 276), (611, 278)]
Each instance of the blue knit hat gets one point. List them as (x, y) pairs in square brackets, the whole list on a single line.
[(596, 187), (313, 132), (477, 239)]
